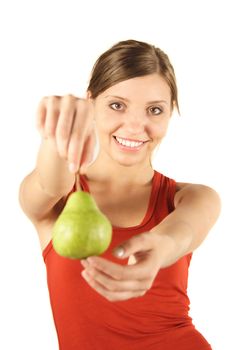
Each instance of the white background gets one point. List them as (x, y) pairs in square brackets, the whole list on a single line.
[(49, 47)]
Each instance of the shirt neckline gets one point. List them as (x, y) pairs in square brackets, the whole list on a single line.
[(150, 207)]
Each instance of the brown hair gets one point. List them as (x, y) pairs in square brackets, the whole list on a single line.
[(130, 59)]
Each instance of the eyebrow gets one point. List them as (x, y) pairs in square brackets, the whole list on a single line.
[(126, 99)]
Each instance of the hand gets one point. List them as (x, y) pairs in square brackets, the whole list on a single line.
[(117, 282), (68, 121)]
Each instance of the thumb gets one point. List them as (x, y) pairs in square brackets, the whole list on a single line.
[(134, 245)]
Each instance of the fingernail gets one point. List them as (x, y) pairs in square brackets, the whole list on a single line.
[(119, 252)]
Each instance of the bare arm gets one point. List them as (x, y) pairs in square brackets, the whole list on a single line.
[(197, 208), (48, 183)]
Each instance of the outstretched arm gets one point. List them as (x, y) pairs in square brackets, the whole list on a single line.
[(197, 208)]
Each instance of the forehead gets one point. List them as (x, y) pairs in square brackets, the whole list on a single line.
[(150, 87)]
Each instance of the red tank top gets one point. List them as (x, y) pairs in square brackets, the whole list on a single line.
[(159, 320)]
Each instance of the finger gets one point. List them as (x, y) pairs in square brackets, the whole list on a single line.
[(117, 286), (75, 145), (40, 117), (63, 131), (139, 271), (139, 243), (78, 135), (111, 296), (52, 114)]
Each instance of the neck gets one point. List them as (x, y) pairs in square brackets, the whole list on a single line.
[(114, 173)]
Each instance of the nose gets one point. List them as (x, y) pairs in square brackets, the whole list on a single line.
[(135, 123)]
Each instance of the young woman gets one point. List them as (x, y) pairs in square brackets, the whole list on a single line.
[(134, 296)]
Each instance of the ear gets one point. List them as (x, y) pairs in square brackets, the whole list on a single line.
[(88, 95)]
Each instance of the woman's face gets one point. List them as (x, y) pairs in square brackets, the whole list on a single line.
[(132, 118)]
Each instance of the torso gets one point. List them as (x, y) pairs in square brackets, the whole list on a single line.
[(159, 319)]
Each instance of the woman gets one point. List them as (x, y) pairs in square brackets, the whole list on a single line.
[(134, 296)]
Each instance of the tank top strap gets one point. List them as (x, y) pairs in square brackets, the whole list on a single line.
[(162, 196), (84, 183)]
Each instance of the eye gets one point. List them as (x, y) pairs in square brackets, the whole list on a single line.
[(155, 110), (116, 106)]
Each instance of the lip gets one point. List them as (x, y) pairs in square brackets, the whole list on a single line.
[(129, 139), (128, 148)]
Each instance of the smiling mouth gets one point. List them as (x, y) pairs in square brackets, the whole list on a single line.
[(133, 144)]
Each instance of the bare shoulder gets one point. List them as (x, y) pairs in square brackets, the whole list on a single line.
[(194, 186), (196, 191)]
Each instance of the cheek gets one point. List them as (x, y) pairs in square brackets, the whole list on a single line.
[(159, 130)]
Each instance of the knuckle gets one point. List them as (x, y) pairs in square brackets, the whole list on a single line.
[(52, 100), (69, 97), (68, 101), (49, 100)]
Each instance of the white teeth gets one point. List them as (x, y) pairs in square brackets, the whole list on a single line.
[(129, 143)]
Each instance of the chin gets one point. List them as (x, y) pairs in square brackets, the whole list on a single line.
[(128, 162)]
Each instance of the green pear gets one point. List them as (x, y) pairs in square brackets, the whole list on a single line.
[(81, 229)]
